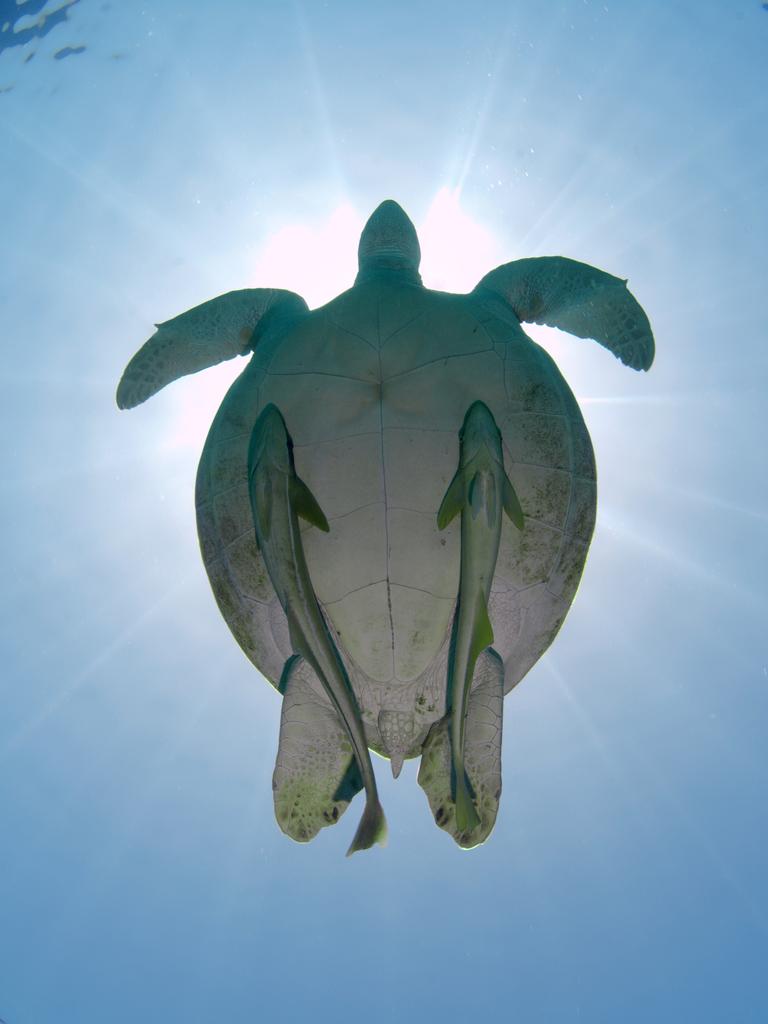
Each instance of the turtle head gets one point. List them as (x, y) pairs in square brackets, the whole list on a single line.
[(389, 245)]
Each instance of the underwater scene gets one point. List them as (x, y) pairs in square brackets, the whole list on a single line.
[(384, 474)]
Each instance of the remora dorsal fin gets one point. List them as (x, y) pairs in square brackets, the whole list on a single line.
[(305, 505), (511, 503), (452, 502), (482, 635)]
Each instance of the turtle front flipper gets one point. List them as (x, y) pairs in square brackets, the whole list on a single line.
[(577, 298), (221, 328), (482, 755), (316, 774)]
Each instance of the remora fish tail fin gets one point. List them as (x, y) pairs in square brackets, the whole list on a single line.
[(305, 505), (351, 783), (511, 503), (452, 502), (372, 828), (483, 634)]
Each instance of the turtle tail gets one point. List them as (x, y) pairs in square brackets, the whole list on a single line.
[(372, 828)]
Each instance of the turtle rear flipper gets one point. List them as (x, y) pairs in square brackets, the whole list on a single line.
[(577, 298), (316, 775), (482, 755)]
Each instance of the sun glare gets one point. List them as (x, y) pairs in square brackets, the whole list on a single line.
[(319, 260), (316, 260), (456, 251)]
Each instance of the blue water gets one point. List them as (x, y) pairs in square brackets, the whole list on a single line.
[(150, 156)]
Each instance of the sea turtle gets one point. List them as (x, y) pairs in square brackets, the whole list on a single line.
[(445, 483)]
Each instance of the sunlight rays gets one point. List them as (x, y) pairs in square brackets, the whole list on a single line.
[(327, 133), (318, 260), (714, 501), (456, 249), (704, 840), (483, 111), (697, 497), (99, 661), (589, 729), (681, 165), (666, 554), (146, 798), (560, 212), (159, 232), (672, 399)]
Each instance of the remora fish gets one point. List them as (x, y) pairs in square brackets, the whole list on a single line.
[(278, 497), (480, 490)]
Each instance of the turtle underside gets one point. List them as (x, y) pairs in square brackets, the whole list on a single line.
[(373, 388), (394, 503)]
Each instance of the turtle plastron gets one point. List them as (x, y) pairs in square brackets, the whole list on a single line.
[(374, 385)]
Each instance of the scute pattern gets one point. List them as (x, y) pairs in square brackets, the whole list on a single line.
[(365, 418), (374, 388)]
